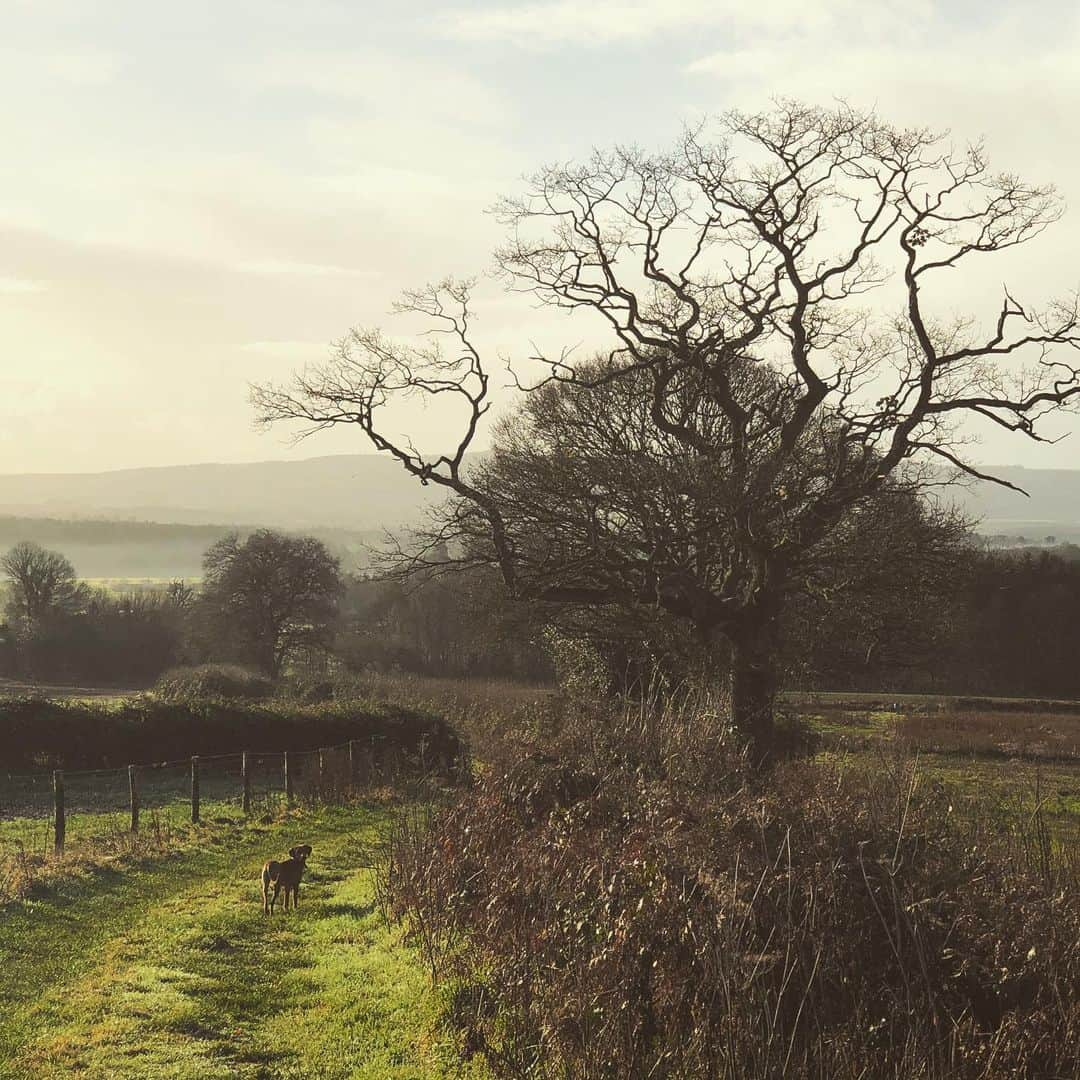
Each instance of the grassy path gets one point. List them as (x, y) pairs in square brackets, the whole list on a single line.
[(171, 970)]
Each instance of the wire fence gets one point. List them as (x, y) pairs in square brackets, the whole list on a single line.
[(42, 812)]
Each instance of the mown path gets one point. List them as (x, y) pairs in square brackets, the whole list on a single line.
[(172, 970)]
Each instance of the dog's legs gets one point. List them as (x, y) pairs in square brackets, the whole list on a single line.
[(273, 899)]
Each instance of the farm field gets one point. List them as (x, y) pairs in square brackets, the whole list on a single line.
[(167, 967), (14, 688)]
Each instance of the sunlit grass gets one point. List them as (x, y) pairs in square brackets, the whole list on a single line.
[(171, 969)]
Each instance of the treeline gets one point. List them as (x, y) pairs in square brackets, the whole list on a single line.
[(976, 622), (1017, 626), (266, 601), (1006, 624), (991, 622), (64, 531)]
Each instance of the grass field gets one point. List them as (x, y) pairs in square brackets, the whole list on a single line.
[(166, 967), (149, 956)]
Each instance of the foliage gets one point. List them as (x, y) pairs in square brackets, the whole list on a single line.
[(460, 625), (630, 902), (110, 639), (40, 584), (225, 682), (269, 598)]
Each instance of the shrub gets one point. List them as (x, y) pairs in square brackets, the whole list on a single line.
[(226, 681), (92, 734), (632, 902)]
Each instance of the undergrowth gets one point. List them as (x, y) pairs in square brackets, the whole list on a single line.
[(627, 899)]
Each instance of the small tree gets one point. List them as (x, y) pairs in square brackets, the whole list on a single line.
[(40, 583), (704, 261), (270, 597)]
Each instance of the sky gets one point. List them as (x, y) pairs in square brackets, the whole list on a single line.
[(198, 196)]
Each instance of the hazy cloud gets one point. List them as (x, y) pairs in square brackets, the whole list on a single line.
[(14, 286), (604, 21), (204, 197)]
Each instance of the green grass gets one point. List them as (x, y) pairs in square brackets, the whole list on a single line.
[(168, 968)]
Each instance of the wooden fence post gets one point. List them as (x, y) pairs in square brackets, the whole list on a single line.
[(288, 781), (352, 764), (322, 772), (195, 789), (59, 817), (245, 772), (133, 795)]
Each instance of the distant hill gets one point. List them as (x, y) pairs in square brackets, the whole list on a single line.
[(1052, 508), (348, 491), (157, 522)]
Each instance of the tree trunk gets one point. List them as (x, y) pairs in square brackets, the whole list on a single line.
[(753, 684)]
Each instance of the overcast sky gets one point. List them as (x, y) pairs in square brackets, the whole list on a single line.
[(196, 196)]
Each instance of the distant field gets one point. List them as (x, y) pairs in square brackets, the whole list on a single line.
[(103, 550), (136, 584), (14, 688)]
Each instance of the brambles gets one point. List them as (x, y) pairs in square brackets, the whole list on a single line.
[(219, 681), (632, 901)]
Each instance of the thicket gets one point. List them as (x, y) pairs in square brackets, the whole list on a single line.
[(1000, 623), (110, 640), (629, 901), (89, 734), (229, 682)]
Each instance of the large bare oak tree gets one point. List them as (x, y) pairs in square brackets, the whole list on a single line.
[(759, 249)]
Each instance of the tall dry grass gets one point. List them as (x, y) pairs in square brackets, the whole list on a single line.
[(629, 900)]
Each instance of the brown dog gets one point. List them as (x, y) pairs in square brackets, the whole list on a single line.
[(284, 875)]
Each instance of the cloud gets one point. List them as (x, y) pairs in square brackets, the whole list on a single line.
[(45, 71), (83, 68), (302, 269), (296, 350), (1001, 80), (604, 21), (421, 91), (14, 286)]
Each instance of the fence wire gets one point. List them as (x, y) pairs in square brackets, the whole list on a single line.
[(159, 795)]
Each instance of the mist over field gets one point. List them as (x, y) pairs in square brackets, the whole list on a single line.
[(156, 523)]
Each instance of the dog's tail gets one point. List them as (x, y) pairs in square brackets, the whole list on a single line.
[(267, 878)]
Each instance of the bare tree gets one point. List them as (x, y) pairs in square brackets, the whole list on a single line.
[(41, 583), (756, 249), (271, 596)]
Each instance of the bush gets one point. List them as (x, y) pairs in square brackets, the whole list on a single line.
[(229, 682), (91, 734), (634, 903)]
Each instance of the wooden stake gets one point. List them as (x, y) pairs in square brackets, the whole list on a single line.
[(133, 795), (59, 816)]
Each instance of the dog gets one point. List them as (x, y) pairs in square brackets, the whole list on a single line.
[(284, 875)]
